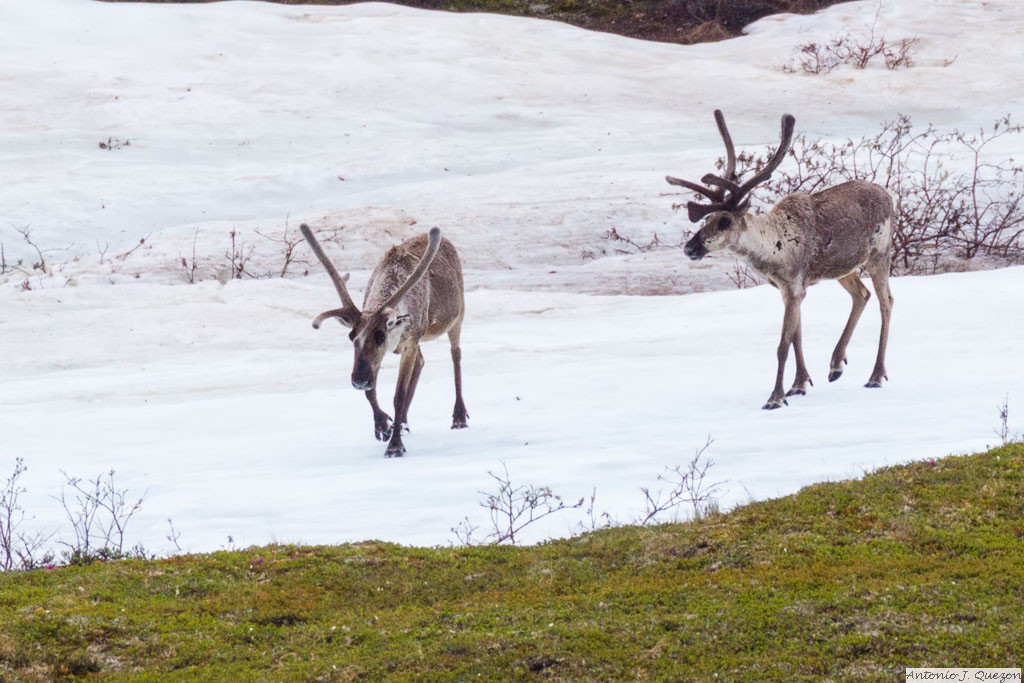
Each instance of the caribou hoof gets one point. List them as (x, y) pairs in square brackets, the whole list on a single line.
[(395, 451), (876, 381), (459, 424), (836, 372), (774, 403), (382, 426), (800, 388)]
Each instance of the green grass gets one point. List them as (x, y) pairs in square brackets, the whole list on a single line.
[(917, 565)]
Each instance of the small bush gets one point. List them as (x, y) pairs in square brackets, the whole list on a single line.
[(823, 58)]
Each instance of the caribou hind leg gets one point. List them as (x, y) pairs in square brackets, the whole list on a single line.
[(803, 378), (860, 295), (879, 271), (459, 414)]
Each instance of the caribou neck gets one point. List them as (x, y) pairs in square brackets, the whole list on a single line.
[(772, 244)]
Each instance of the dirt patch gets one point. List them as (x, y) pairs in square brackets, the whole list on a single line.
[(669, 21)]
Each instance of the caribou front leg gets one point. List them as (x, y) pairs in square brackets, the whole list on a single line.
[(408, 375), (790, 325), (381, 420)]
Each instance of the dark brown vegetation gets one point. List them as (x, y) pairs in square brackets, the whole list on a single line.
[(670, 21)]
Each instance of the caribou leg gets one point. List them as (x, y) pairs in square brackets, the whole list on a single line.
[(408, 375), (879, 272), (790, 324), (860, 295), (459, 414), (381, 420), (803, 378)]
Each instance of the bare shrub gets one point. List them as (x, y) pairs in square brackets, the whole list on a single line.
[(855, 49), (18, 550), (1003, 431), (190, 266), (813, 58), (622, 245), (238, 256), (594, 520), (39, 264), (465, 532), (743, 276), (513, 508), (99, 513), (900, 55), (174, 536), (955, 197), (288, 244), (683, 484), (123, 256)]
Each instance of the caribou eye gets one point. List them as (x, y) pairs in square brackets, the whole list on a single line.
[(379, 337), (725, 222)]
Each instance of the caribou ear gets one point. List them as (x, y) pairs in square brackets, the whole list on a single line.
[(394, 319)]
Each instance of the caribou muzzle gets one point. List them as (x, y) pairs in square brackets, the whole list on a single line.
[(695, 248), (362, 375)]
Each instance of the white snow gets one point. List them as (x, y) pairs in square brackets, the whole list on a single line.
[(525, 141)]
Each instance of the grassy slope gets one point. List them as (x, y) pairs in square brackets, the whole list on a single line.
[(917, 565)]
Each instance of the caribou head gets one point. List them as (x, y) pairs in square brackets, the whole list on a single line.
[(374, 333), (724, 216)]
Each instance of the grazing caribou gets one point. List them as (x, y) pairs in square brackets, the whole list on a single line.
[(803, 239), (415, 293)]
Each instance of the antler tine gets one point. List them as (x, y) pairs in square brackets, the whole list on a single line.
[(339, 282), (788, 124), (730, 151), (341, 313), (714, 187), (713, 195), (712, 179), (695, 211), (433, 243)]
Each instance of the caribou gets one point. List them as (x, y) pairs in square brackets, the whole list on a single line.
[(802, 239), (414, 294)]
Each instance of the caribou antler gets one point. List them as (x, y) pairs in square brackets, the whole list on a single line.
[(349, 312), (723, 182), (724, 191), (786, 138), (433, 242)]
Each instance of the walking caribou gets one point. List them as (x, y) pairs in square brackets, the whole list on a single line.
[(803, 239), (414, 294)]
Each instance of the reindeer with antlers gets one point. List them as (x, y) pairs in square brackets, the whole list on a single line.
[(415, 293), (803, 239)]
